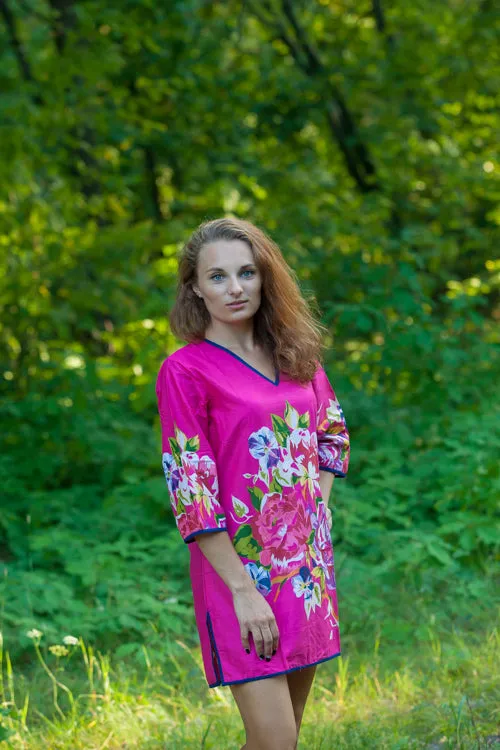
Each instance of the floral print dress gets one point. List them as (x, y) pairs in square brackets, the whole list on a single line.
[(242, 453)]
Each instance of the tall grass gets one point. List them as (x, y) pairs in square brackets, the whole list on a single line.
[(445, 693)]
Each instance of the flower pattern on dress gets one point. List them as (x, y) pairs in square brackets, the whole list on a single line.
[(260, 576), (282, 535), (304, 585), (192, 484), (280, 538), (333, 440), (322, 547), (243, 454)]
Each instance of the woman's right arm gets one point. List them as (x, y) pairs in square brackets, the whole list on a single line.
[(191, 473), (254, 614)]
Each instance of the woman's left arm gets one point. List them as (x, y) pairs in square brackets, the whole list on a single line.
[(325, 482)]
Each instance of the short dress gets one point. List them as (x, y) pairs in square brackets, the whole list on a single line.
[(242, 453)]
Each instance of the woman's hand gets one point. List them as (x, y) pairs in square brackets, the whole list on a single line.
[(329, 517), (255, 616)]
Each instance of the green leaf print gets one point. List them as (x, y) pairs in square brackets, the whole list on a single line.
[(179, 507), (245, 544), (304, 420), (256, 494), (275, 486), (207, 502), (193, 444), (240, 508), (291, 416), (280, 429), (176, 452)]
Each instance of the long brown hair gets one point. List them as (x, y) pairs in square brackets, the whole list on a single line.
[(284, 325)]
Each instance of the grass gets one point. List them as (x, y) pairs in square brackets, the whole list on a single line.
[(438, 690), (419, 670)]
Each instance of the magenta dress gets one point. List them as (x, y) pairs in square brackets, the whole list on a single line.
[(242, 454)]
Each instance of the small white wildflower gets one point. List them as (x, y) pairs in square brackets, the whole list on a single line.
[(34, 633), (70, 640)]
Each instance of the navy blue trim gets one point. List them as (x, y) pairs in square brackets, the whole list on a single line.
[(191, 537), (218, 665), (337, 472), (275, 674), (274, 382)]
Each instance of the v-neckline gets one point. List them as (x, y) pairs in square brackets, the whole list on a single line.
[(276, 381)]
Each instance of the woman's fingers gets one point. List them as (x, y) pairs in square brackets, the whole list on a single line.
[(265, 637), (275, 634), (255, 616), (258, 639), (268, 641), (244, 638)]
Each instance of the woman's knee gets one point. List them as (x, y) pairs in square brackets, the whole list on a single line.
[(275, 738), (267, 711)]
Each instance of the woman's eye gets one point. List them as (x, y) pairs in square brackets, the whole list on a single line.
[(248, 270)]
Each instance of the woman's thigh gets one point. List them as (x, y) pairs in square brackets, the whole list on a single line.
[(268, 714), (299, 685)]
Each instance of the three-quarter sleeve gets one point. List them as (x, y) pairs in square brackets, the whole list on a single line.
[(187, 457), (333, 437)]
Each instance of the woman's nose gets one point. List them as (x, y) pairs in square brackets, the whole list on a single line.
[(234, 285)]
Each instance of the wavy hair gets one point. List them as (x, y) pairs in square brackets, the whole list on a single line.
[(285, 325)]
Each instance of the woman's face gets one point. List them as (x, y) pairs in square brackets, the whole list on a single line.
[(227, 273)]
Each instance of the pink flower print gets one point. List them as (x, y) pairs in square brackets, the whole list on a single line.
[(264, 446), (282, 529), (201, 478), (186, 524), (207, 472), (302, 447)]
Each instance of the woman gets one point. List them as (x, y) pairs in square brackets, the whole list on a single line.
[(252, 437)]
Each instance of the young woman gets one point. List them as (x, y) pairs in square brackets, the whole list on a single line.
[(252, 437)]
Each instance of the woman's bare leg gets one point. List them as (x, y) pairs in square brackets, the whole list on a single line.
[(299, 684), (268, 715)]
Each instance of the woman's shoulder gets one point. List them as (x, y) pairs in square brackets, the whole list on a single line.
[(187, 358)]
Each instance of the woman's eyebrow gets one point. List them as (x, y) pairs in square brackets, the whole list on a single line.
[(215, 268)]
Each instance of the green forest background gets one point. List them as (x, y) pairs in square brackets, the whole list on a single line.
[(363, 137)]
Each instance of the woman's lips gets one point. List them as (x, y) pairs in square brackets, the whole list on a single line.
[(237, 304)]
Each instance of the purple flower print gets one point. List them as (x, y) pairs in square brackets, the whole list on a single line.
[(260, 576), (322, 544), (303, 585), (171, 472), (264, 446)]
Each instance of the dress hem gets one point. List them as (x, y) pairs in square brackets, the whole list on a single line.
[(222, 683)]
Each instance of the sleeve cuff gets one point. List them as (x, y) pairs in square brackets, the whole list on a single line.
[(337, 472), (191, 537)]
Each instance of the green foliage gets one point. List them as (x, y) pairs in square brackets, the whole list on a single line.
[(364, 142), (443, 691)]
